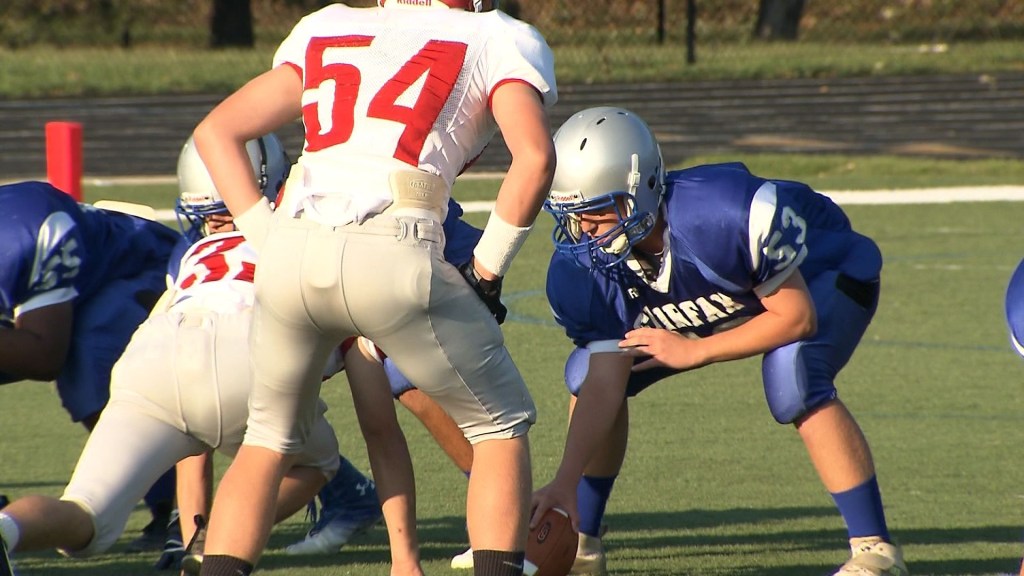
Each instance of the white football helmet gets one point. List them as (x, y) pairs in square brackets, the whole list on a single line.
[(198, 197), (607, 158)]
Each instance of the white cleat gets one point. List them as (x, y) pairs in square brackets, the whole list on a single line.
[(874, 557), (463, 561), (590, 557), (329, 538)]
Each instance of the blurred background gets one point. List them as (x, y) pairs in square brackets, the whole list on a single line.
[(924, 78), (718, 26)]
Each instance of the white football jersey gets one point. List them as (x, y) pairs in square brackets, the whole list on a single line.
[(216, 273), (400, 88)]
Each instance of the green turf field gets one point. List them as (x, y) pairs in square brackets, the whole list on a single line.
[(712, 486)]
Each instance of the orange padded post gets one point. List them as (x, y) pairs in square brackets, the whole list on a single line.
[(64, 157)]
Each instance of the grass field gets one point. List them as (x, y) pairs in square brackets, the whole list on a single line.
[(712, 486)]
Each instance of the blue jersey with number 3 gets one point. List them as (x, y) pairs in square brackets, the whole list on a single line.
[(732, 238)]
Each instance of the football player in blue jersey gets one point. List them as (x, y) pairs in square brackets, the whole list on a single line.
[(1015, 308), (1015, 319), (75, 283), (658, 273)]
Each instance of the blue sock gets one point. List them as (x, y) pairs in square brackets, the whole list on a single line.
[(592, 495), (861, 508)]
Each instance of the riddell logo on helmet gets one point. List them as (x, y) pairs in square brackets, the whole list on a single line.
[(190, 199), (415, 2), (558, 197)]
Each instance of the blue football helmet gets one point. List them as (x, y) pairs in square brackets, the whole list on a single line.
[(607, 158), (198, 197)]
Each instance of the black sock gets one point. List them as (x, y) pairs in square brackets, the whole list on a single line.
[(498, 563), (221, 565)]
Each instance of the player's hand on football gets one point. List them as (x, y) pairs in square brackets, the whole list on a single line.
[(554, 496), (665, 348), (489, 290)]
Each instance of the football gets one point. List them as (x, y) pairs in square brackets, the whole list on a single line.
[(551, 545)]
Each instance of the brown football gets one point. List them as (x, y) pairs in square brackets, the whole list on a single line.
[(551, 545)]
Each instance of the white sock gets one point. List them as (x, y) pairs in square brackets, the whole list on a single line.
[(9, 531)]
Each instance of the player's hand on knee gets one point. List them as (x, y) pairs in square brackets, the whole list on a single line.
[(489, 291)]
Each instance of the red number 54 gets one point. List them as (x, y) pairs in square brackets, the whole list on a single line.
[(441, 61)]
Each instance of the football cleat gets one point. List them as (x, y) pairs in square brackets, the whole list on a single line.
[(329, 537), (590, 557), (873, 557), (463, 561), (346, 511)]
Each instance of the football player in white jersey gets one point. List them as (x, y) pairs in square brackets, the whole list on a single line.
[(396, 100), (181, 389)]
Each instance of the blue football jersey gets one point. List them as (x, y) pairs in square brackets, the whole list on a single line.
[(53, 249), (732, 238), (1015, 308)]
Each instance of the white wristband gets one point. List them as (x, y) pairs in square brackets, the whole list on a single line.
[(254, 223), (499, 244)]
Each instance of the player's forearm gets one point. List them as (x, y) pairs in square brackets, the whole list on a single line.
[(222, 149), (523, 121), (519, 201), (763, 333), (525, 186), (591, 425), (194, 491), (391, 465)]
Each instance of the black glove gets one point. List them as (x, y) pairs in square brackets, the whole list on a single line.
[(488, 290)]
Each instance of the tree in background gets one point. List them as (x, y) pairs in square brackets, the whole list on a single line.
[(231, 24), (778, 19)]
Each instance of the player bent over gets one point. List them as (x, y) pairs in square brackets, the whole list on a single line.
[(348, 503), (75, 283), (655, 274), (396, 100), (180, 389)]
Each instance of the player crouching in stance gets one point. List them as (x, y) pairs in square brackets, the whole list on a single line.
[(348, 503), (655, 274), (180, 389), (75, 283)]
